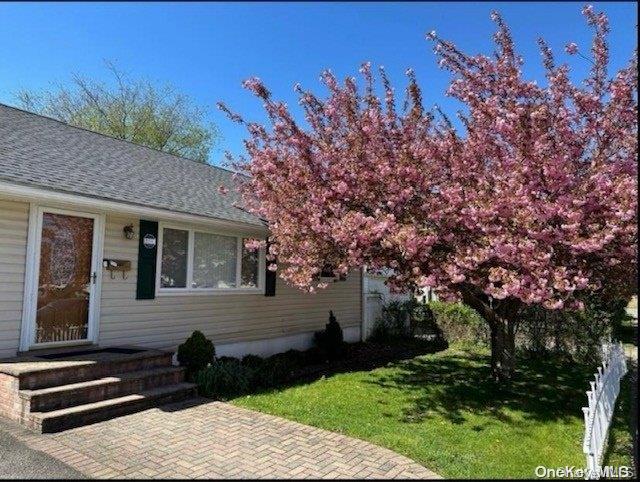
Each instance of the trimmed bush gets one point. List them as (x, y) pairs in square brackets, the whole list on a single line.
[(252, 361), (225, 379), (313, 356), (331, 339), (229, 377), (196, 353), (274, 371), (458, 322), (294, 358)]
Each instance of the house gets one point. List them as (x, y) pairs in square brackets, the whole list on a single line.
[(111, 255), (104, 242)]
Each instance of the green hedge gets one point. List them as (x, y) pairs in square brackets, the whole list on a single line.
[(578, 334), (458, 322), (228, 377)]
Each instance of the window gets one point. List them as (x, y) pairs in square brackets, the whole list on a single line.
[(193, 261), (214, 261), (249, 269), (174, 258)]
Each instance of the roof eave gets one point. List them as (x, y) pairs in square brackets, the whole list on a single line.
[(30, 193)]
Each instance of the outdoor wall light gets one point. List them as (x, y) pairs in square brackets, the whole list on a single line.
[(128, 231)]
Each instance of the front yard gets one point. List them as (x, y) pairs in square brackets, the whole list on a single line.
[(442, 411)]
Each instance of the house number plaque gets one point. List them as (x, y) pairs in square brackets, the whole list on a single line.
[(149, 241)]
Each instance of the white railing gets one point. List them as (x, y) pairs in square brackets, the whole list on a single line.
[(602, 401)]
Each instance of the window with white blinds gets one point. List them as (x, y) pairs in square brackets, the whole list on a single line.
[(198, 261)]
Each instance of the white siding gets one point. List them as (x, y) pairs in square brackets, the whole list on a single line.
[(226, 318), (14, 219), (167, 320)]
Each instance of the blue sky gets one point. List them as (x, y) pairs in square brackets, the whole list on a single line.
[(207, 49)]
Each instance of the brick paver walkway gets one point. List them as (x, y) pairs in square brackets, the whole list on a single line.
[(205, 439)]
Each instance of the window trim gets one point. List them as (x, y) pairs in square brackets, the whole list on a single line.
[(188, 290)]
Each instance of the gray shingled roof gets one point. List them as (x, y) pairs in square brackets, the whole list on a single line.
[(42, 152)]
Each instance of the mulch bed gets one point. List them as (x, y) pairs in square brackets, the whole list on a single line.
[(363, 356)]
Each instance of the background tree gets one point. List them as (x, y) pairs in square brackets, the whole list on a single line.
[(134, 110), (535, 203)]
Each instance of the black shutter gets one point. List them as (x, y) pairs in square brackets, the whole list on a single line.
[(270, 283), (269, 279), (327, 271), (147, 253)]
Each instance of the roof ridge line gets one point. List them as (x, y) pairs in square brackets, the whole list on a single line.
[(114, 138)]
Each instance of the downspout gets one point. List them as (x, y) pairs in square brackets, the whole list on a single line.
[(363, 301)]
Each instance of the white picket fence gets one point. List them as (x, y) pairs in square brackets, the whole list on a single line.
[(602, 401)]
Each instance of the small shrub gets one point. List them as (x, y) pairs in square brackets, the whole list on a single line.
[(331, 339), (252, 361), (225, 379), (196, 353), (275, 371), (380, 332), (393, 322), (230, 377), (294, 358), (459, 322), (404, 319), (226, 358), (396, 315), (313, 356)]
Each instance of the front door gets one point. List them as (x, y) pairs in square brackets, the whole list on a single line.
[(65, 296)]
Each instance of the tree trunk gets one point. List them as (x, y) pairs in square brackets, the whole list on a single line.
[(502, 317), (503, 348)]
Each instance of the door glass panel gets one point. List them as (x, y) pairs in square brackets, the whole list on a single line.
[(64, 281)]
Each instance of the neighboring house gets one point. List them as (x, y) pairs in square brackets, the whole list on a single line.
[(106, 242)]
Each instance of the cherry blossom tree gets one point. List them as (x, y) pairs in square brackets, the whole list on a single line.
[(533, 201)]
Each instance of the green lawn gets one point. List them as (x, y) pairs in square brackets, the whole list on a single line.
[(443, 411)]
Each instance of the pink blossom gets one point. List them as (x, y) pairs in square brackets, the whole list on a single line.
[(534, 202), (571, 48), (254, 244)]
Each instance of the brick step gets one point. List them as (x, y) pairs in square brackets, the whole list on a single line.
[(62, 396), (63, 372), (66, 418)]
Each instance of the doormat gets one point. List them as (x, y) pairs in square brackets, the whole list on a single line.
[(67, 354)]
